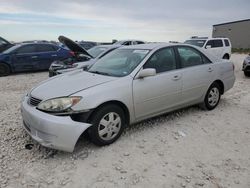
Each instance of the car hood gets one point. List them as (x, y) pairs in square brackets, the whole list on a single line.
[(68, 84), (73, 46)]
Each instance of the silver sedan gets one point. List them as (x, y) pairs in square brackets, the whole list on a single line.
[(126, 86)]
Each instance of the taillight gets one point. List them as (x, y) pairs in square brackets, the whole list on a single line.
[(72, 53)]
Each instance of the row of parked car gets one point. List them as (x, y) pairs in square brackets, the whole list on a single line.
[(39, 55), (69, 55)]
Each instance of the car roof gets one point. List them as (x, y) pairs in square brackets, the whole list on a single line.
[(209, 38), (149, 46), (129, 40), (36, 43)]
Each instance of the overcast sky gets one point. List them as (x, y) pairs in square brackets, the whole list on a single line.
[(104, 20)]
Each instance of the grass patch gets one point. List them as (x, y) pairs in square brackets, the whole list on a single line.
[(241, 50)]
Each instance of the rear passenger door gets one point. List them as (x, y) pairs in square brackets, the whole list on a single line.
[(46, 54), (197, 74), (156, 94), (25, 58)]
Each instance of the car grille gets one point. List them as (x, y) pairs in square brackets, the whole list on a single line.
[(34, 101)]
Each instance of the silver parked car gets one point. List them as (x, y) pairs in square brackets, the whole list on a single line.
[(128, 85)]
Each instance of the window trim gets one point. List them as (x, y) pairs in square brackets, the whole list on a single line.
[(199, 52)]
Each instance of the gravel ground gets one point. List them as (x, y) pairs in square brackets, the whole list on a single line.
[(187, 148)]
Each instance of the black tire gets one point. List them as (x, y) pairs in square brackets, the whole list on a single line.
[(208, 104), (4, 69), (96, 128), (247, 74), (226, 56)]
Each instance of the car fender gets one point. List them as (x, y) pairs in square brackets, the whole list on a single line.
[(119, 90)]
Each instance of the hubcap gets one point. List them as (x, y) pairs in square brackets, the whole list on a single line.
[(109, 126), (213, 96)]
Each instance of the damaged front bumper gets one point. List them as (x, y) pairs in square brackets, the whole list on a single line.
[(57, 132)]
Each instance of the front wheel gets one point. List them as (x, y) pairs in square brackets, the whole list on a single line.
[(4, 70), (212, 97), (108, 123)]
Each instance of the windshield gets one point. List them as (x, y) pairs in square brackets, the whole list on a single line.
[(119, 63), (96, 51), (199, 43)]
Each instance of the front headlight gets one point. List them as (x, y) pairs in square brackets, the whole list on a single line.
[(57, 105)]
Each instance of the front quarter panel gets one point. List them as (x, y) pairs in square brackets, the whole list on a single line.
[(117, 90)]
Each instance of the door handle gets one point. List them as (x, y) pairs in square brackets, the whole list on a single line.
[(54, 55), (33, 57), (176, 77), (210, 69)]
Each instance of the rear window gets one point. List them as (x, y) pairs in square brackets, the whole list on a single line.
[(226, 42)]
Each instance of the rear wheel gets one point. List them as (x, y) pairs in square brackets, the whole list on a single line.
[(4, 70), (212, 97), (247, 74), (226, 56), (108, 123)]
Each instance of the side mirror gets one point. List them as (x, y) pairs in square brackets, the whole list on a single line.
[(208, 46), (146, 73)]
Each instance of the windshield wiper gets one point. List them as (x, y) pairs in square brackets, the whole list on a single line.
[(98, 72)]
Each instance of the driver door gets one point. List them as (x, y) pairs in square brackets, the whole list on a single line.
[(156, 94)]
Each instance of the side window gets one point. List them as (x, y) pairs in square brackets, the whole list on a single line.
[(126, 43), (26, 49), (210, 43), (45, 48), (217, 43), (226, 42), (205, 60), (162, 60), (140, 42), (189, 57)]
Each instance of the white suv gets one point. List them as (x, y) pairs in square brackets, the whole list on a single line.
[(220, 47)]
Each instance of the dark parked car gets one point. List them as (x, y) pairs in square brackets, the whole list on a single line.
[(30, 57), (82, 58), (246, 66), (4, 44)]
